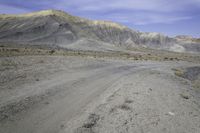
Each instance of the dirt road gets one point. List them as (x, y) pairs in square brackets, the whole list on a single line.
[(68, 94)]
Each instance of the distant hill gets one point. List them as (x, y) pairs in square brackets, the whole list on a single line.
[(54, 28)]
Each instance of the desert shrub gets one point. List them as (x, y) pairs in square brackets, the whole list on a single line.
[(128, 101), (52, 51), (196, 84), (185, 96), (7, 63), (15, 50), (92, 121), (166, 58), (124, 107), (178, 72)]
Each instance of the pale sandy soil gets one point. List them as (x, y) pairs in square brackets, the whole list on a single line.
[(57, 94)]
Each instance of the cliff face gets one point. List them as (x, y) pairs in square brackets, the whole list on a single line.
[(57, 28)]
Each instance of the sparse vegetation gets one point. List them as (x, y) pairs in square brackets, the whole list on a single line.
[(178, 72), (12, 51), (184, 95), (124, 107), (196, 84), (8, 63), (37, 79), (88, 126), (52, 51), (192, 74), (128, 101), (92, 121), (41, 61)]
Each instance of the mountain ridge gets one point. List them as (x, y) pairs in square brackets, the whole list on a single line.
[(57, 28)]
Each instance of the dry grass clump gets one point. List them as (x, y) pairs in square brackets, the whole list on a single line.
[(184, 95), (92, 121), (178, 72), (191, 74), (128, 101), (8, 63), (88, 127), (196, 84), (124, 107), (154, 56)]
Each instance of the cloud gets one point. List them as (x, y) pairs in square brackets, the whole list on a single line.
[(138, 12), (6, 9), (160, 19), (148, 5), (142, 18), (105, 5)]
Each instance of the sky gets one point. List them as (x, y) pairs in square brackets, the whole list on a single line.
[(170, 17)]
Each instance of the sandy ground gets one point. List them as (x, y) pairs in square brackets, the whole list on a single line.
[(55, 94)]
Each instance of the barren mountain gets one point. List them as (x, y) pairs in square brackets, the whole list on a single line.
[(54, 28)]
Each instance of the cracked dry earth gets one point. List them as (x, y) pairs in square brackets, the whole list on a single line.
[(54, 94)]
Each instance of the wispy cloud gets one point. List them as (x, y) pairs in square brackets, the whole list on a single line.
[(138, 12), (149, 5), (6, 9), (149, 18)]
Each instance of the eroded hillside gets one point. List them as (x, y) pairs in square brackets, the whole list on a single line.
[(54, 28)]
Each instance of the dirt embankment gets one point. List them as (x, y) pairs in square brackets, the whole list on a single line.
[(190, 73)]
